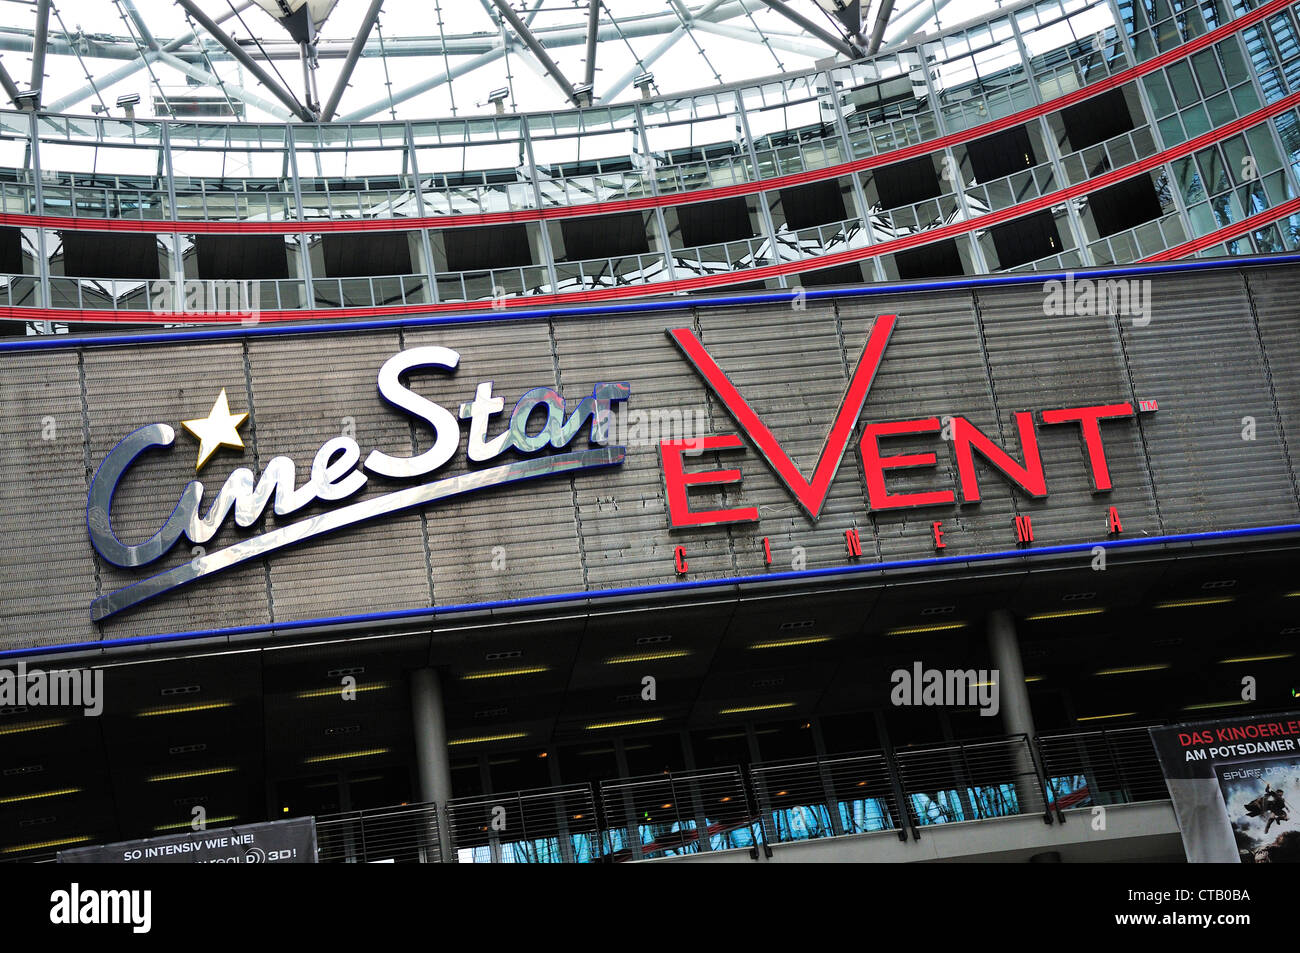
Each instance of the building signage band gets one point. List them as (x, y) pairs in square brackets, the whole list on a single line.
[(338, 471)]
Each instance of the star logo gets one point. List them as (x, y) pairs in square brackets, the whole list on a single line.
[(218, 429)]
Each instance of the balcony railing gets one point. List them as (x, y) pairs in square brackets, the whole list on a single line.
[(678, 814), (1087, 768), (1115, 153), (407, 834), (549, 826), (1137, 243), (670, 815)]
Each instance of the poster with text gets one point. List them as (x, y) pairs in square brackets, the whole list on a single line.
[(1235, 785)]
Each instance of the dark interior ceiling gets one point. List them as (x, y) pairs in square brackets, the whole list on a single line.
[(233, 729)]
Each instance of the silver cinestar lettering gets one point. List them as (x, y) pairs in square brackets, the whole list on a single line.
[(394, 502), (439, 418), (99, 502)]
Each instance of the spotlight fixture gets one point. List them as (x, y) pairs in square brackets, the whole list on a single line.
[(128, 103)]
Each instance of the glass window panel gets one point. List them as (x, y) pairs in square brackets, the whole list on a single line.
[(1184, 87), (1213, 173), (1196, 121), (1221, 109), (1234, 64), (1263, 149), (1158, 92), (1278, 188), (1245, 98), (1189, 180), (1206, 65), (1267, 240), (1252, 198), (1171, 131), (1202, 218)]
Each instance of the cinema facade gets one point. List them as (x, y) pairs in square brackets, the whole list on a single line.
[(476, 545)]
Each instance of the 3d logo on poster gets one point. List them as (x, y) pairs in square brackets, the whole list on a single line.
[(338, 471)]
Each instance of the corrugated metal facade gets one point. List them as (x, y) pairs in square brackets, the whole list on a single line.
[(1219, 352)]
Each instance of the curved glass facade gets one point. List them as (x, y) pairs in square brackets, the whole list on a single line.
[(1051, 135)]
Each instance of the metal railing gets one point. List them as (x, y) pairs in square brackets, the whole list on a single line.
[(406, 834), (670, 815), (204, 200), (1087, 768), (971, 781), (1114, 153), (826, 797), (1140, 241), (996, 194), (547, 826), (679, 814), (610, 272), (107, 200), (370, 292)]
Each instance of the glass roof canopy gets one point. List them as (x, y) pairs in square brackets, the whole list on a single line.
[(321, 60)]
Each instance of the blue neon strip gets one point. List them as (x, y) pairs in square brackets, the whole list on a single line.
[(598, 594), (66, 341)]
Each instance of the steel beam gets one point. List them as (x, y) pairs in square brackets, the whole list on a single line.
[(123, 48), (622, 82), (425, 85), (354, 53), (924, 12), (593, 21), (140, 25), (38, 44), (878, 31), (11, 90), (836, 43), (779, 40), (525, 34), (250, 64), (231, 89), (139, 63)]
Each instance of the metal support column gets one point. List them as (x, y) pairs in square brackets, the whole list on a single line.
[(433, 763), (303, 241), (39, 44), (1053, 153), (543, 228), (1013, 697), (859, 196), (354, 53), (765, 213), (652, 172), (429, 273), (178, 252), (977, 253), (42, 253)]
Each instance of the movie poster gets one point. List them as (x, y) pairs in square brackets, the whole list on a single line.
[(1235, 786)]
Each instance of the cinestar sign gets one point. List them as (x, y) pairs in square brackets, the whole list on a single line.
[(967, 441), (338, 471), (336, 475)]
